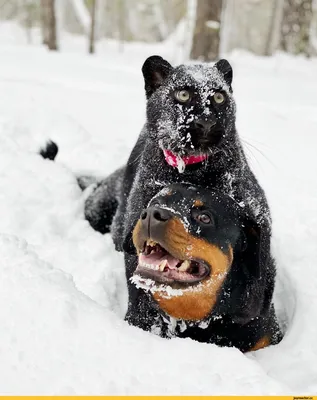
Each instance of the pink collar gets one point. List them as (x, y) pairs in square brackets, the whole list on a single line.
[(175, 160)]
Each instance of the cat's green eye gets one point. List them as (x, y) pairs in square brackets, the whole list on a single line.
[(183, 96), (219, 97)]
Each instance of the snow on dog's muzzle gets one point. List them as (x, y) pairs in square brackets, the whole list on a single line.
[(172, 258)]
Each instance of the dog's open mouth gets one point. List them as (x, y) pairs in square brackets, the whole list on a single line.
[(158, 264)]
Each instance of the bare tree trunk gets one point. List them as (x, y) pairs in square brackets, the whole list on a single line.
[(92, 27), (44, 24), (313, 30), (29, 11), (82, 14), (273, 37), (49, 24), (159, 19), (206, 38), (296, 23), (121, 21), (191, 10)]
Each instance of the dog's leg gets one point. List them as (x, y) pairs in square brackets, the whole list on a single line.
[(102, 203)]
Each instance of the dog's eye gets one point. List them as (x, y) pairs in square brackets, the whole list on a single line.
[(219, 97), (182, 96), (204, 218)]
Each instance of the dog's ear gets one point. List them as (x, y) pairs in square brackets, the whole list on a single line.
[(250, 281), (255, 248), (224, 67), (155, 70), (127, 245), (127, 241)]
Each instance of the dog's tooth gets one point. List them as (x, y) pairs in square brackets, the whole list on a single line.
[(184, 266), (162, 265)]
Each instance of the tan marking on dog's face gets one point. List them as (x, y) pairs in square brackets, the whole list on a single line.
[(198, 203), (191, 305), (196, 302), (261, 344), (136, 236)]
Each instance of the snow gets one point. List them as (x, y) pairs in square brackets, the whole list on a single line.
[(149, 285), (166, 291), (62, 286)]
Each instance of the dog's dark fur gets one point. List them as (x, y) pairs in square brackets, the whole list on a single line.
[(248, 285)]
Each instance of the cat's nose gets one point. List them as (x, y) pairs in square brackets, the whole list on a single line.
[(204, 124)]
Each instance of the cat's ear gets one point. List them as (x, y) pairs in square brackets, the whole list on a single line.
[(224, 67), (155, 70)]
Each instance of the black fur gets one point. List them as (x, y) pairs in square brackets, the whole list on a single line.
[(243, 313), (50, 151), (201, 125), (101, 206)]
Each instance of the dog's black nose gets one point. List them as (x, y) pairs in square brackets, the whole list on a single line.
[(154, 217), (204, 124)]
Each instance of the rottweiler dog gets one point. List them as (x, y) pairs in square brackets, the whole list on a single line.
[(202, 272)]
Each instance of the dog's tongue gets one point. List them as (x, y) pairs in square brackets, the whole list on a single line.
[(181, 162), (156, 259)]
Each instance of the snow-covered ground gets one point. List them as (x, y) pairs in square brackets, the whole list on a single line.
[(62, 285)]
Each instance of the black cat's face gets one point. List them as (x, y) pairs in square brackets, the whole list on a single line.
[(190, 108)]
